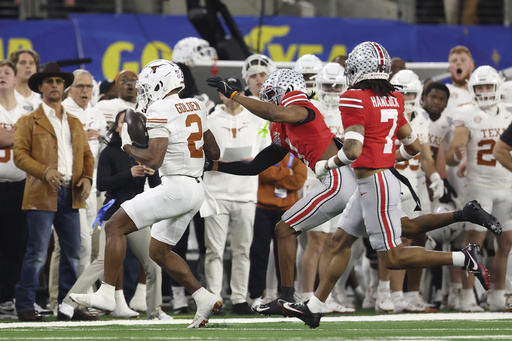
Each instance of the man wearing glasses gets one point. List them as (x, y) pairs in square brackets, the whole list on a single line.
[(127, 96), (51, 147)]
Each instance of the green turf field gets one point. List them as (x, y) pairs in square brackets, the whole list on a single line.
[(481, 326)]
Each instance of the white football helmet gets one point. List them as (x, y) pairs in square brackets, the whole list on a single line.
[(192, 50), (330, 84), (485, 75), (410, 84), (309, 65), (368, 60), (279, 83), (257, 63), (156, 80)]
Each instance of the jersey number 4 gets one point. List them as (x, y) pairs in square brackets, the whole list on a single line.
[(385, 116), (195, 136)]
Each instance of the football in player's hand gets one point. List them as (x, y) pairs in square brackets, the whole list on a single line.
[(137, 128)]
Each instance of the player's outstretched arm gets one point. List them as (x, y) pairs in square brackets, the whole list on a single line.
[(210, 147), (264, 159)]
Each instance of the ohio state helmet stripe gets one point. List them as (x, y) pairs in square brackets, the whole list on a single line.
[(380, 53)]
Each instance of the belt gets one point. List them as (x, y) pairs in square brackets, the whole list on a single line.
[(67, 184)]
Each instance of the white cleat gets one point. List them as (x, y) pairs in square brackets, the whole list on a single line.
[(95, 300), (124, 313), (383, 303), (206, 306), (332, 307)]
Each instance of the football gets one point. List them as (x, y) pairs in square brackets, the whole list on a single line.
[(137, 128)]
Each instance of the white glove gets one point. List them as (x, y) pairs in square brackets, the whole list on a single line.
[(320, 170), (437, 185), (125, 137)]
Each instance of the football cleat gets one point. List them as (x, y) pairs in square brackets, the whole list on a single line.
[(270, 308), (301, 311), (206, 306), (473, 264), (474, 213)]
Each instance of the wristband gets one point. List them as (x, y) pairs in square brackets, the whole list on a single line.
[(352, 135), (331, 164), (343, 158), (233, 95), (409, 139), (404, 153)]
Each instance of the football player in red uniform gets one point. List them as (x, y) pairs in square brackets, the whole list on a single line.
[(372, 114), (300, 129)]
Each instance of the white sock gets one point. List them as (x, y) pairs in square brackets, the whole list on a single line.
[(307, 295), (120, 300), (467, 295), (397, 296), (455, 287), (384, 285), (200, 293), (66, 309), (458, 259), (140, 290), (315, 305), (107, 289)]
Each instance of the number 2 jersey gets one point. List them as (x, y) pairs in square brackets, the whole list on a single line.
[(381, 117), (183, 121), (485, 130), (307, 141)]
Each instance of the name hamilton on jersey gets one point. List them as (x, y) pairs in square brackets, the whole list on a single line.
[(384, 101)]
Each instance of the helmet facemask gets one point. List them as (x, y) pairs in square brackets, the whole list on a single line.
[(485, 77)]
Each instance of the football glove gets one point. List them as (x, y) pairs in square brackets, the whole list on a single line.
[(437, 185), (221, 86), (125, 136), (320, 170)]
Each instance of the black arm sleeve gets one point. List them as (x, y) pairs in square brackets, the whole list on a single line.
[(507, 136), (266, 158)]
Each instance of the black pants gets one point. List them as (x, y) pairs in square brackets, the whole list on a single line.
[(14, 232), (264, 224)]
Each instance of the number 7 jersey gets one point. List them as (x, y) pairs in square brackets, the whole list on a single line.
[(381, 117), (183, 122)]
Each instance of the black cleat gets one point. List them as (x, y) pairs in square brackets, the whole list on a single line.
[(473, 264), (474, 213), (270, 308), (302, 312)]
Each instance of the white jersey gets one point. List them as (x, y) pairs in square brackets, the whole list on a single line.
[(238, 139), (8, 171), (332, 117), (485, 130), (111, 107), (29, 103), (411, 169), (183, 122), (91, 118)]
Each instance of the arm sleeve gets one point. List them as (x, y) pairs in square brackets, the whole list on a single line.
[(266, 158)]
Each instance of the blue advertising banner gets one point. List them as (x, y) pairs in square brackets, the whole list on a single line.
[(116, 42)]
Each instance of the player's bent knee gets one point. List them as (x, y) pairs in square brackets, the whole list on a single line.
[(393, 259), (284, 230)]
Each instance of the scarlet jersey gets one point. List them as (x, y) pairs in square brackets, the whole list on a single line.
[(307, 141), (380, 117)]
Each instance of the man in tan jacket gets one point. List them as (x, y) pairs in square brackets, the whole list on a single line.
[(51, 147)]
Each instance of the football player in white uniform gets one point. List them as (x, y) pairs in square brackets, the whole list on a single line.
[(309, 65), (478, 128), (14, 226), (178, 141)]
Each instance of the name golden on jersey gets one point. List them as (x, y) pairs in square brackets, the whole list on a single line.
[(187, 107)]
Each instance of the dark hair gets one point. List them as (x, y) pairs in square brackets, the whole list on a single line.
[(380, 86), (113, 137), (437, 86)]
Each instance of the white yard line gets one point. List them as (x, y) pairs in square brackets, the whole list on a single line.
[(346, 318)]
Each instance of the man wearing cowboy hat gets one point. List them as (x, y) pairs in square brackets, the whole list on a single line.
[(51, 147)]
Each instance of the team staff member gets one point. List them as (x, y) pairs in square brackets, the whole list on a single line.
[(51, 147)]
